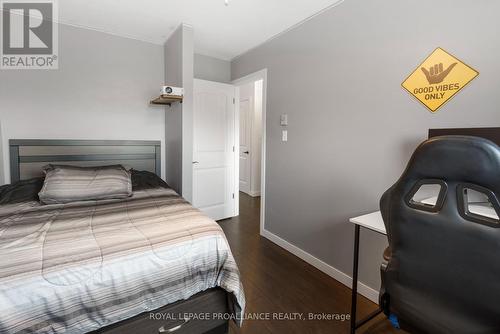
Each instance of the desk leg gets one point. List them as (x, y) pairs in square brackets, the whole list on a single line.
[(355, 279)]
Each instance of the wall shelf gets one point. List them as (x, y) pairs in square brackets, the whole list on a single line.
[(166, 100)]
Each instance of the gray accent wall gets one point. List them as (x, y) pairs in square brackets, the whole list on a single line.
[(173, 113), (212, 69), (179, 68), (187, 111), (352, 128), (101, 91)]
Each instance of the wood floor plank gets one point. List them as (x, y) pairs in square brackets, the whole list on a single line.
[(279, 283)]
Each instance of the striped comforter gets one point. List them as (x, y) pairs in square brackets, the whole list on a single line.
[(74, 268)]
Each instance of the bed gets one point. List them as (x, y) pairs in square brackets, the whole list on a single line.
[(149, 263)]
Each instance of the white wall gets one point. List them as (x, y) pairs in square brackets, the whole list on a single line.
[(101, 90)]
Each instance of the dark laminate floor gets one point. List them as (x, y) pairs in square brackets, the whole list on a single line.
[(277, 281)]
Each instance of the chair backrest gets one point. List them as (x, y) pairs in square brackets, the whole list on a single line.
[(444, 273)]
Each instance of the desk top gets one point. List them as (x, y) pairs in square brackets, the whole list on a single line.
[(372, 221)]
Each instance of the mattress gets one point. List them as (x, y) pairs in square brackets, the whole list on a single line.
[(74, 268)]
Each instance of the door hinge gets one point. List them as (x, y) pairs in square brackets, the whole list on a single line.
[(233, 195), (234, 100), (233, 149)]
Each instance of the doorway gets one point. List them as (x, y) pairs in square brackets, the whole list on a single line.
[(251, 115), (250, 137), (220, 149)]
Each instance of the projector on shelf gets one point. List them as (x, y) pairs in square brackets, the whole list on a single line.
[(172, 91)]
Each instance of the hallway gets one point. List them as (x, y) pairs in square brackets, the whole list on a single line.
[(278, 283)]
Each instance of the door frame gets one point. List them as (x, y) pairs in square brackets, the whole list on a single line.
[(252, 77)]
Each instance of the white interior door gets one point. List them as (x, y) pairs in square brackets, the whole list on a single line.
[(246, 111), (213, 151)]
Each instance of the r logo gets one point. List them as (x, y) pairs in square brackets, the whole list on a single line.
[(29, 35), (27, 28)]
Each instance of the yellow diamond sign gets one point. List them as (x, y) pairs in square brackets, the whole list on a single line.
[(438, 79)]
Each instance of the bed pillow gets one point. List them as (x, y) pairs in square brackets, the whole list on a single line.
[(142, 180), (65, 184), (27, 190), (21, 191)]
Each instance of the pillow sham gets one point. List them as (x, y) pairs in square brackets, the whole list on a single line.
[(65, 184)]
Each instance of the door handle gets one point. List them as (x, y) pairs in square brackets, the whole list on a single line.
[(246, 152), (196, 162), (162, 329)]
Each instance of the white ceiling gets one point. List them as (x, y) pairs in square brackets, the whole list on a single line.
[(220, 31)]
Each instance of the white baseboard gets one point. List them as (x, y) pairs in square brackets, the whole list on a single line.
[(338, 275)]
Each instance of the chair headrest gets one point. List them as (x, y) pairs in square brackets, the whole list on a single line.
[(456, 158)]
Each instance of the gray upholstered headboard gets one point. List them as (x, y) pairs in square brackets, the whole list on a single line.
[(28, 156)]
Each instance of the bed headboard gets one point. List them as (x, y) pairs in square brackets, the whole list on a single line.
[(28, 156)]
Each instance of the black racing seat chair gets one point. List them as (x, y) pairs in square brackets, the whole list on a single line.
[(443, 268)]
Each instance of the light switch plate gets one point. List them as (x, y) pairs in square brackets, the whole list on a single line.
[(284, 120), (284, 135)]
